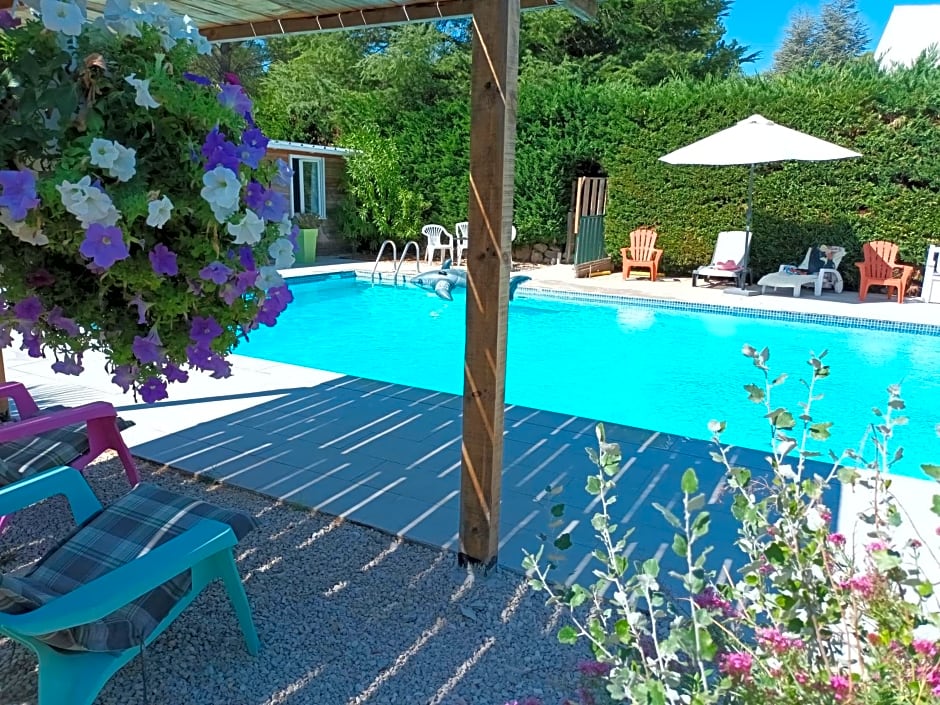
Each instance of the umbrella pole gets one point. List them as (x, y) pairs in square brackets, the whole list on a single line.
[(750, 201)]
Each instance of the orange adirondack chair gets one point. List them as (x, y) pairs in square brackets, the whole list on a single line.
[(642, 252), (881, 267)]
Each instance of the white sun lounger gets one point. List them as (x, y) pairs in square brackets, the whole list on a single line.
[(785, 278), (732, 246)]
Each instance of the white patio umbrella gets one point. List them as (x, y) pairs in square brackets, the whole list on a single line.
[(754, 141)]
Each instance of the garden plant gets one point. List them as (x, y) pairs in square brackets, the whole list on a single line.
[(139, 219), (812, 616)]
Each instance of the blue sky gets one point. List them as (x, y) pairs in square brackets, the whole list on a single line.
[(761, 24)]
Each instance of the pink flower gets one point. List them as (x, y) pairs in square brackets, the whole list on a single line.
[(840, 686), (916, 543), (773, 640), (594, 668), (837, 539), (876, 546), (925, 647), (711, 599), (864, 585), (737, 665), (825, 514)]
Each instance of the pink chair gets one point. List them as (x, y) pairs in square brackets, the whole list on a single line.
[(42, 439)]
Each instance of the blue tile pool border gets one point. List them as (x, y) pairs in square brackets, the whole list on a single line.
[(739, 311), (528, 291)]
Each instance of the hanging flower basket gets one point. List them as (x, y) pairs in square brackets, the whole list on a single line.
[(137, 218)]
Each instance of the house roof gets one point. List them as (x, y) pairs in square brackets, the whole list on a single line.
[(320, 150), (232, 20), (911, 30)]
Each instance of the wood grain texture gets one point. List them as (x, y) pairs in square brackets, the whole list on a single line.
[(493, 99)]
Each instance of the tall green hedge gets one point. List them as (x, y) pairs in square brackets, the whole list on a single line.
[(890, 193)]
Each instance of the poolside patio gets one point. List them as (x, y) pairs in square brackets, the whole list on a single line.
[(388, 456)]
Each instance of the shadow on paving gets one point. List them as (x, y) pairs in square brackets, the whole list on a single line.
[(388, 456)]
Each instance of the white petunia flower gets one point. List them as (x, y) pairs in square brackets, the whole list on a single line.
[(103, 153), (220, 190), (158, 212), (282, 252), (284, 226), (72, 194), (248, 230), (27, 233), (125, 166), (88, 203), (120, 18), (268, 278), (63, 17), (142, 86)]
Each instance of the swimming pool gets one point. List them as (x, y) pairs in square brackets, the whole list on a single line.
[(653, 368)]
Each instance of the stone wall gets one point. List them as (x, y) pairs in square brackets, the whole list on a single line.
[(539, 253)]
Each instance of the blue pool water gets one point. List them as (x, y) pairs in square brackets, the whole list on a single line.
[(657, 369)]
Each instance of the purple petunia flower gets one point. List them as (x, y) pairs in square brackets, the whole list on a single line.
[(293, 235), (153, 390), (68, 365), (253, 147), (163, 260), (218, 151), (104, 245), (233, 96), (29, 309), (19, 192), (216, 272), (67, 325), (196, 78), (142, 308), (8, 21), (175, 373), (32, 343), (39, 279), (246, 257), (219, 366), (204, 330), (124, 376), (149, 349), (268, 203), (6, 337), (198, 356), (232, 78)]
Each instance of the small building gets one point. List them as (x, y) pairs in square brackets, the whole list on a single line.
[(318, 187), (911, 30)]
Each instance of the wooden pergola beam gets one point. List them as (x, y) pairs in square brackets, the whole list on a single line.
[(493, 95), (357, 19)]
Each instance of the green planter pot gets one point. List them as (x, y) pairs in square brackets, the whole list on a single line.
[(308, 246)]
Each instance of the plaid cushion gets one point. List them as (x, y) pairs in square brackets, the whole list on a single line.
[(27, 456), (141, 520)]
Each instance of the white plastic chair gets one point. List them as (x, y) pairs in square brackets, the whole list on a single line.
[(731, 247), (438, 240), (931, 274), (461, 241)]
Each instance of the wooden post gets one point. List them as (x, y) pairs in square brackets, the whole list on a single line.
[(492, 167)]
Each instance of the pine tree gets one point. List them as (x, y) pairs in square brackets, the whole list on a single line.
[(837, 35), (842, 34), (798, 47)]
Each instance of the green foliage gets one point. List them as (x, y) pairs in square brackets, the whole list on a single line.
[(836, 36), (891, 119), (812, 617)]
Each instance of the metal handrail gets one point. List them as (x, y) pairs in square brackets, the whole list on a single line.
[(379, 257), (404, 252)]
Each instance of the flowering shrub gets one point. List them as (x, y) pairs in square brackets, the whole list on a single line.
[(816, 617), (138, 218)]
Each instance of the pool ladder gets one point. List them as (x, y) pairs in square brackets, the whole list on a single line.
[(398, 262)]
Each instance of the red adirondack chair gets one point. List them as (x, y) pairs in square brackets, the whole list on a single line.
[(881, 268), (642, 253)]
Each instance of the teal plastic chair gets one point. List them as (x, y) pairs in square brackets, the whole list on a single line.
[(75, 677)]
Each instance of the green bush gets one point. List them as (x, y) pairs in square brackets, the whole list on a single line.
[(890, 193)]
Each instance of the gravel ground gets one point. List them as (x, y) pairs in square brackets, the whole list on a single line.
[(346, 615)]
